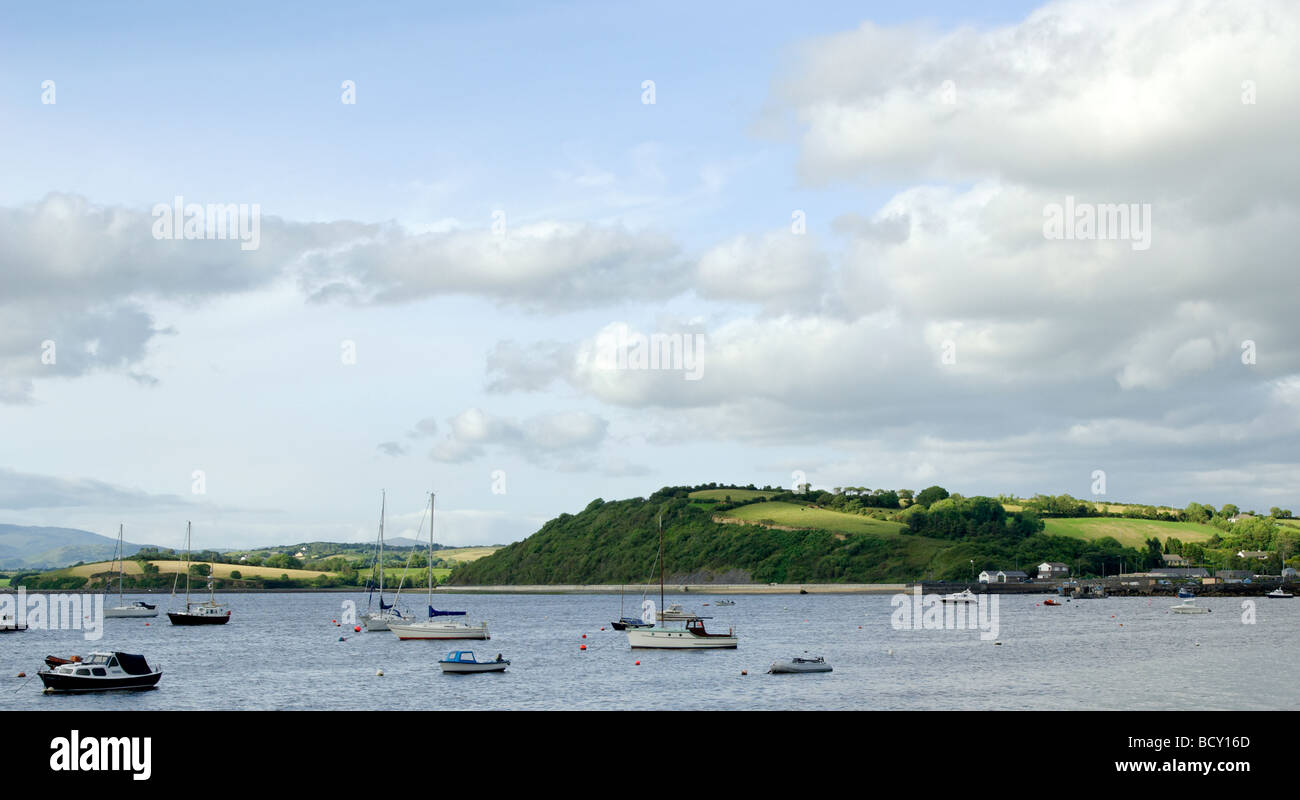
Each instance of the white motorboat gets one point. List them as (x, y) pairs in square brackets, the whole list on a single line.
[(693, 636), (435, 627), (463, 662), (1189, 607), (962, 597), (122, 610), (102, 672), (800, 664), (724, 602), (10, 625), (1279, 594), (675, 613)]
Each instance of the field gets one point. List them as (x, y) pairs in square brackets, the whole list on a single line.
[(798, 516), (737, 495), (221, 570), (1128, 532)]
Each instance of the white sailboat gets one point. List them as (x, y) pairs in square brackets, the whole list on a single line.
[(379, 620), (137, 609), (692, 636), (435, 627)]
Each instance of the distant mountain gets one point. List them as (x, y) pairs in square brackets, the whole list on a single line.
[(29, 547)]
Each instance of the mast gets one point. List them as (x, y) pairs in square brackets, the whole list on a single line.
[(661, 567), (432, 496), (383, 499), (121, 562), (187, 567)]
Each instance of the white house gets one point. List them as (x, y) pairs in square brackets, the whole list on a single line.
[(1052, 569), (1256, 554)]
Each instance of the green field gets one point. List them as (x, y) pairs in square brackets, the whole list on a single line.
[(220, 570), (799, 516), (415, 576), (736, 495), (1128, 532)]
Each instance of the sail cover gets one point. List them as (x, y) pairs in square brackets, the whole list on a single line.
[(433, 612), (133, 664)]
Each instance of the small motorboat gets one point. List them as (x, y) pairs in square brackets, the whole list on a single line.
[(463, 661), (1189, 607), (630, 622), (135, 610), (9, 625), (55, 661), (724, 602), (676, 613), (102, 672), (799, 664), (1050, 602), (1185, 593), (965, 596), (1279, 594)]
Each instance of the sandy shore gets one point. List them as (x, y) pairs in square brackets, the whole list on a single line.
[(678, 588)]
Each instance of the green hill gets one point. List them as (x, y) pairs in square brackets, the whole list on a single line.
[(1128, 532), (782, 541)]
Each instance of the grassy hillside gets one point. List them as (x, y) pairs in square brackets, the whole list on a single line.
[(1128, 532), (802, 516), (220, 570), (736, 495)]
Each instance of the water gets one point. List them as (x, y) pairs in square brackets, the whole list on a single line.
[(281, 651)]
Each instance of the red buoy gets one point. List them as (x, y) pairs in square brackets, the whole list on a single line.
[(582, 647), (356, 628), (638, 663), (584, 636)]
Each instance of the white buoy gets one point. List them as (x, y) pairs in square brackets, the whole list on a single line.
[(379, 672), (890, 651)]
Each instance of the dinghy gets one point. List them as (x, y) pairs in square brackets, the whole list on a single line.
[(463, 661), (799, 664), (1189, 607)]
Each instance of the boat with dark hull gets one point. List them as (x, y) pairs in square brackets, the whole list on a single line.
[(209, 613), (102, 672)]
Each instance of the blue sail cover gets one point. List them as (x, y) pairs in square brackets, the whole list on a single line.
[(433, 612), (383, 606)]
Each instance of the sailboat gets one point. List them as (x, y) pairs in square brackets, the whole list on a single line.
[(624, 621), (209, 613), (137, 609), (692, 636), (379, 620), (434, 627)]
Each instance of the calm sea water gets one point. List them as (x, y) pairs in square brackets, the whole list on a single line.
[(281, 651)]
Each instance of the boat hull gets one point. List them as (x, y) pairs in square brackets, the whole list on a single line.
[(181, 618), (438, 631), (1189, 610), (792, 668), (667, 639), (129, 612), (80, 684), (460, 668)]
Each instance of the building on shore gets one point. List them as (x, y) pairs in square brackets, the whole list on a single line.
[(1003, 576), (1050, 570)]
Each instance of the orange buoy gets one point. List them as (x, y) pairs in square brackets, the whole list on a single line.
[(638, 663), (744, 672), (582, 647), (356, 628), (24, 674), (334, 621)]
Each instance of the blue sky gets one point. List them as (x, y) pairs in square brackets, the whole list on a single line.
[(823, 349)]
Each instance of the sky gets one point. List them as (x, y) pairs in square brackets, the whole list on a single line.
[(878, 226)]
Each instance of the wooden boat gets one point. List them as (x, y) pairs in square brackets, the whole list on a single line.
[(693, 636), (102, 672), (435, 627), (799, 665), (463, 662), (209, 613), (122, 610)]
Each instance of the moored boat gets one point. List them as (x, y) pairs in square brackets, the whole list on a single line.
[(123, 610), (463, 662), (10, 625), (435, 627), (693, 636), (1279, 594), (962, 597), (102, 672), (206, 613), (1189, 607), (799, 664)]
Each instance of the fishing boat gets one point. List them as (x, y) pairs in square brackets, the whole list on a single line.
[(1189, 607), (963, 597), (1185, 593), (462, 662), (122, 610), (209, 613), (1279, 594), (435, 627), (102, 672), (798, 665), (693, 636), (378, 620)]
